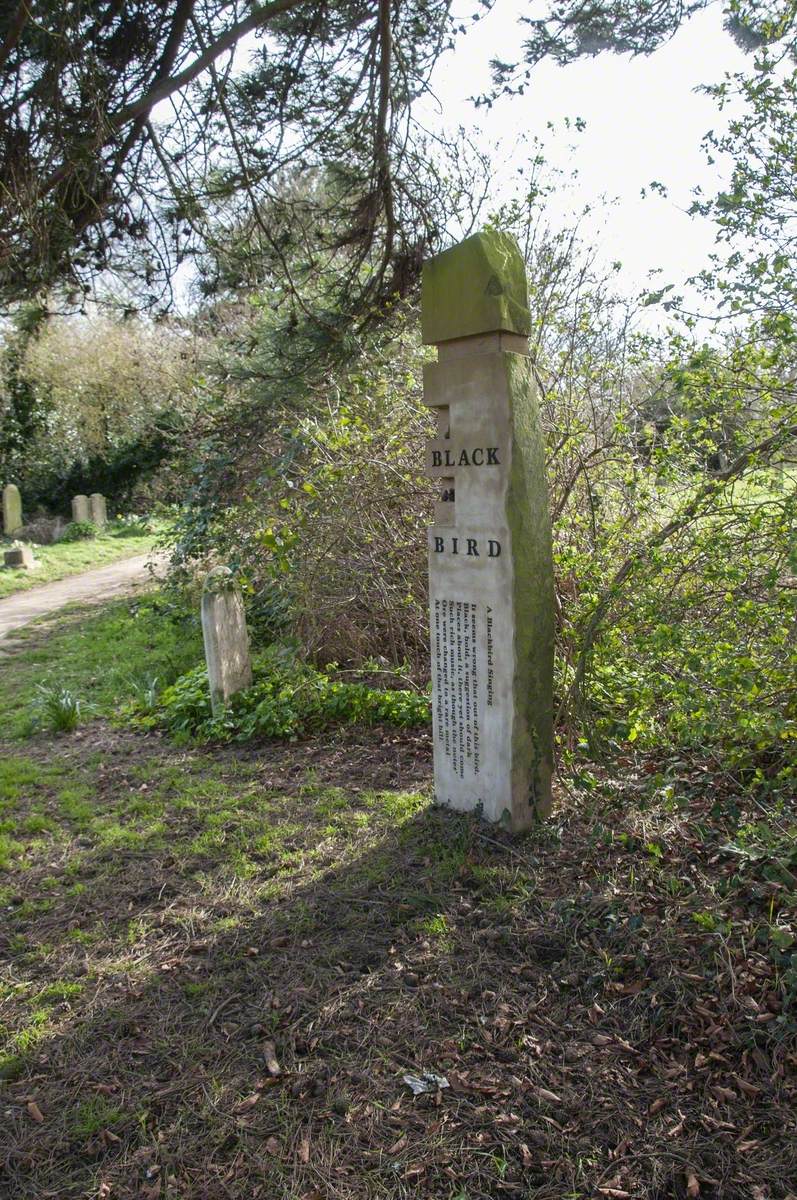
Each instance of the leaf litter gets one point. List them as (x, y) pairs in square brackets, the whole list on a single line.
[(609, 1022)]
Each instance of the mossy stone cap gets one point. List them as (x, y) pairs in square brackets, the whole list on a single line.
[(478, 286), (220, 579)]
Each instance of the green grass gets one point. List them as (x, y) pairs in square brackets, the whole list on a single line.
[(105, 659), (234, 843), (93, 1115), (72, 558)]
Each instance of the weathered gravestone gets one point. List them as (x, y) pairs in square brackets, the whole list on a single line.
[(490, 564), (98, 509), (12, 509), (20, 557), (80, 508), (226, 638)]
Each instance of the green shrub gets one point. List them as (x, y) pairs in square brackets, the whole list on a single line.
[(79, 531), (130, 527), (701, 652), (287, 698)]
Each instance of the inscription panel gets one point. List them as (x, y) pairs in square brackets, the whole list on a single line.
[(470, 625), (455, 625)]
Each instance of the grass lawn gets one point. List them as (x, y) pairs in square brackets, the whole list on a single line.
[(218, 967), (71, 558), (105, 659)]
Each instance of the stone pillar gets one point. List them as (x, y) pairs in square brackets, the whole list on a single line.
[(12, 509), (98, 510), (226, 638), (80, 508), (490, 563)]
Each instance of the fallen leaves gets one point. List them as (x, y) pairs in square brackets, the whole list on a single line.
[(749, 1089), (101, 1141), (270, 1059), (540, 1073)]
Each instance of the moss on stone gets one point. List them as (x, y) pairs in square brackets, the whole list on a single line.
[(530, 526), (220, 579), (476, 287)]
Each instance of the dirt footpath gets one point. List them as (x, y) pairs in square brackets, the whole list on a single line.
[(103, 583)]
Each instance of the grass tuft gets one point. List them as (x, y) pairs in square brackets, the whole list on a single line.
[(58, 709)]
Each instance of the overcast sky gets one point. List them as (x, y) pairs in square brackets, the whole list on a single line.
[(645, 122)]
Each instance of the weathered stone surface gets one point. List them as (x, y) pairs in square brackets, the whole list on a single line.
[(80, 508), (20, 557), (476, 287), (98, 510), (12, 509), (490, 560), (226, 638), (43, 530)]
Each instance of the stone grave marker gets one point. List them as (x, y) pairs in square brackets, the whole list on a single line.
[(20, 557), (490, 562), (226, 638), (12, 509), (80, 508), (98, 509)]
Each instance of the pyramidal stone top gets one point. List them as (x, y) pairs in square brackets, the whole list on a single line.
[(476, 287)]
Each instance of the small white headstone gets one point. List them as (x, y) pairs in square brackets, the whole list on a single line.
[(98, 509), (80, 509), (12, 509), (20, 558), (226, 638)]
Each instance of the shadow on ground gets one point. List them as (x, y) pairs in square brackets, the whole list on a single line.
[(249, 969)]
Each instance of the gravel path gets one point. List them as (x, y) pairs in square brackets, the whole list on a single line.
[(102, 583)]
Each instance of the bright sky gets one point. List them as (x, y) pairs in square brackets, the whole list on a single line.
[(644, 122)]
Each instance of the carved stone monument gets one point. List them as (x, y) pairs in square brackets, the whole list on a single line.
[(20, 558), (80, 508), (490, 564), (226, 638), (12, 509), (98, 509)]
